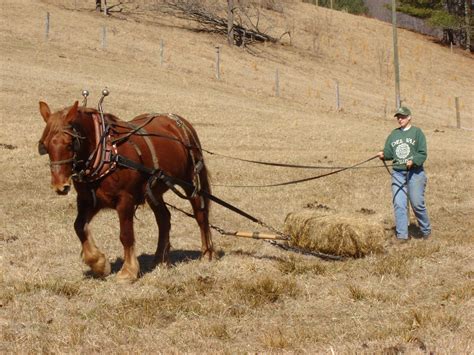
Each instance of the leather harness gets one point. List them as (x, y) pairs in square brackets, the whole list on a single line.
[(105, 158)]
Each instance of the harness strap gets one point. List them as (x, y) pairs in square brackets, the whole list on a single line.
[(128, 163), (60, 162), (150, 183), (136, 147), (135, 129), (144, 134), (155, 174), (171, 181)]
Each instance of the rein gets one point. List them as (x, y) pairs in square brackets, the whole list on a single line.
[(259, 162), (306, 179)]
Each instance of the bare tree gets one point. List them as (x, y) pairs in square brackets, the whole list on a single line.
[(241, 25)]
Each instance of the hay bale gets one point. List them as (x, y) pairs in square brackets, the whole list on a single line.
[(331, 233)]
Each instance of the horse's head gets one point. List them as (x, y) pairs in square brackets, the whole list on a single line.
[(60, 141)]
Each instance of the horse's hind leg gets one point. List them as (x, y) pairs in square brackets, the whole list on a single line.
[(201, 214), (91, 255), (163, 219)]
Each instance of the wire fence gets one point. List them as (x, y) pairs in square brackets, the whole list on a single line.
[(339, 104)]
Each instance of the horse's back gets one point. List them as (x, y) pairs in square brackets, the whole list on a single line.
[(167, 138)]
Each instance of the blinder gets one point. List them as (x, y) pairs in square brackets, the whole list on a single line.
[(42, 148), (75, 146)]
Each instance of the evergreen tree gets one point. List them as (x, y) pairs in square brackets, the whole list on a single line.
[(453, 16)]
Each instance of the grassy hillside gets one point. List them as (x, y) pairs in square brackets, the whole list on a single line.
[(416, 297)]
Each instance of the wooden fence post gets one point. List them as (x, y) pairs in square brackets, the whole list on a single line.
[(46, 33), (161, 52), (458, 114), (396, 64), (277, 83), (218, 63), (104, 37), (338, 101), (105, 8)]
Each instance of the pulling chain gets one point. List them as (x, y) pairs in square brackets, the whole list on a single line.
[(222, 231)]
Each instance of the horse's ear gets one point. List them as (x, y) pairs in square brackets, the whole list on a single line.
[(45, 111), (72, 113)]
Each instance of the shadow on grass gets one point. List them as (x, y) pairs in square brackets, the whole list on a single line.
[(147, 261)]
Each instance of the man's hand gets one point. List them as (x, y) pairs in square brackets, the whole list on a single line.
[(409, 164), (380, 155)]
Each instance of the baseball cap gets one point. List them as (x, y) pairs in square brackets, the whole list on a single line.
[(403, 111)]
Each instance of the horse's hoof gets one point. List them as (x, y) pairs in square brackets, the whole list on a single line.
[(126, 276), (125, 280), (161, 261), (207, 253), (101, 268)]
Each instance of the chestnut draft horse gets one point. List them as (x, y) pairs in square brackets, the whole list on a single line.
[(118, 164)]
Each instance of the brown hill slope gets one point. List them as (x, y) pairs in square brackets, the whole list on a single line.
[(255, 297)]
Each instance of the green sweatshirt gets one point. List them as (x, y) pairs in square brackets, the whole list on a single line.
[(402, 146)]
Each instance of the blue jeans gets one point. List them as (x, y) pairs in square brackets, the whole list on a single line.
[(410, 183)]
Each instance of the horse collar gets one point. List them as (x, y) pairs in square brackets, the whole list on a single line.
[(101, 161)]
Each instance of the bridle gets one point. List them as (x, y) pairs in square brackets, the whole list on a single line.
[(76, 146), (99, 163)]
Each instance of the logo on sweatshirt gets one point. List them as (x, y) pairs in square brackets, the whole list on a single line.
[(402, 150)]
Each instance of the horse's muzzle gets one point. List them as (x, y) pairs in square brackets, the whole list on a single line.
[(62, 190)]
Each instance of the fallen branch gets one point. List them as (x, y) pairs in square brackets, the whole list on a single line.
[(210, 22)]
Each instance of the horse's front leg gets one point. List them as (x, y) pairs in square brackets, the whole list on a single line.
[(91, 255), (130, 267)]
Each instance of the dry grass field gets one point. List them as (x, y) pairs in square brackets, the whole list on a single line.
[(413, 298)]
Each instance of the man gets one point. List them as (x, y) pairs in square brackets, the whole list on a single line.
[(406, 146)]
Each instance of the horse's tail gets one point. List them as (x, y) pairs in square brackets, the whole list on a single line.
[(205, 181), (201, 203), (204, 175)]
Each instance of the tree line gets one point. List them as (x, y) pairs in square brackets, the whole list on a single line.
[(454, 17)]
